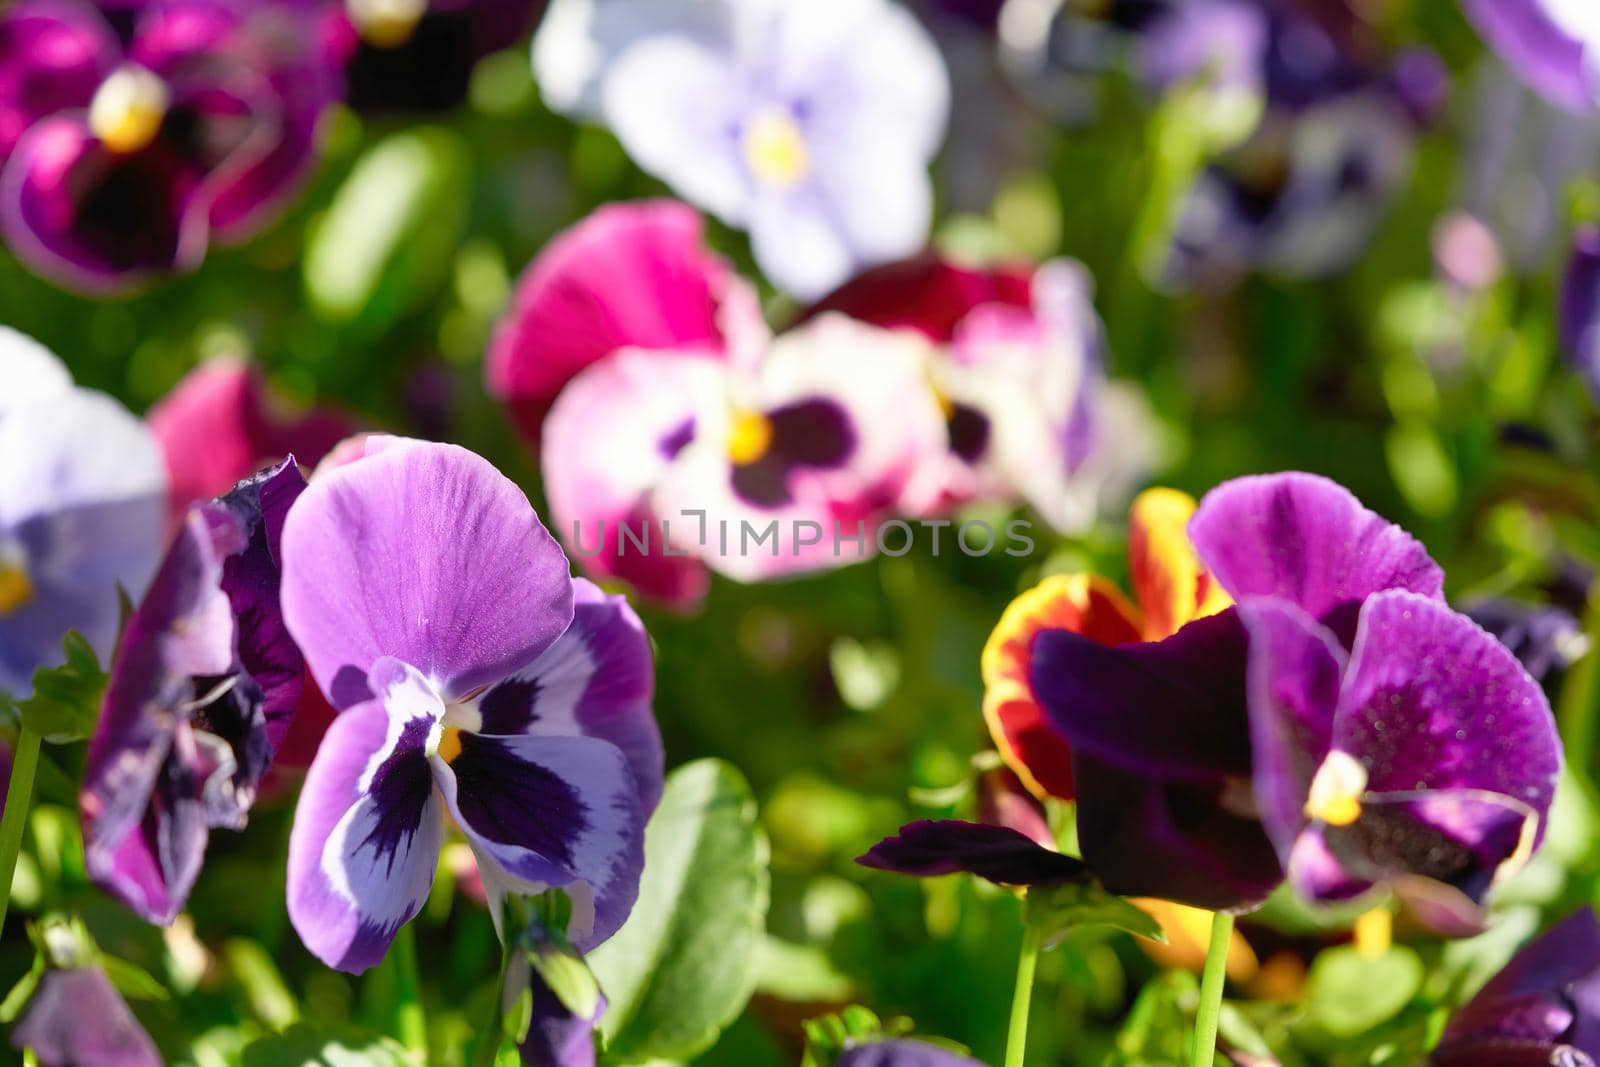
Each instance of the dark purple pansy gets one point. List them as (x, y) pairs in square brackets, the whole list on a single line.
[(203, 685), (996, 854), (418, 55), (558, 1035), (76, 1018), (124, 155), (902, 1052), (1542, 1009), (1580, 308)]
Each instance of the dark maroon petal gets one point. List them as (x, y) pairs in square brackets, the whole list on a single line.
[(77, 1017), (994, 853), (53, 55), (1172, 709), (926, 293), (1146, 838)]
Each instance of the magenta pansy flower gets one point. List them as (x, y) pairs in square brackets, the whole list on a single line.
[(476, 681), (124, 157)]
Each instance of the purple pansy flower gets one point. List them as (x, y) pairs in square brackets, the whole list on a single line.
[(809, 125), (202, 689), (76, 1017), (1553, 45), (902, 1052), (1542, 1009), (1580, 308), (124, 157), (997, 854), (559, 1034), (81, 511), (476, 681)]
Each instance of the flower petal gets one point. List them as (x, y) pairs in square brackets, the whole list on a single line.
[(1169, 584), (77, 1017), (903, 1052), (1550, 46), (926, 293), (426, 553), (550, 811), (994, 853), (1309, 540), (1028, 742), (366, 835), (31, 371), (55, 54), (597, 680)]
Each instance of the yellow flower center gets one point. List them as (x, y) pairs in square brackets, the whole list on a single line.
[(1374, 933), (386, 23), (749, 437), (775, 149), (128, 109), (449, 743), (15, 587), (1336, 790)]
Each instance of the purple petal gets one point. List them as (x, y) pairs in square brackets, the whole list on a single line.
[(1552, 57), (53, 55), (597, 680), (1295, 671), (556, 1037), (1580, 307), (367, 832), (1173, 708), (426, 553), (1308, 540), (1431, 701), (77, 1017), (903, 1052), (994, 853), (1192, 844), (550, 811)]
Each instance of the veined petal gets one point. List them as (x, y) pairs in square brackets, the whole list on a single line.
[(1308, 540), (1169, 584), (597, 680), (366, 836), (549, 811), (1031, 746), (994, 853), (426, 553)]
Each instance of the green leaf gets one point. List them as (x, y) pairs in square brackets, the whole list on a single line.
[(388, 239), (568, 977), (315, 1046), (1349, 994), (66, 700), (132, 980), (684, 965), (1055, 910)]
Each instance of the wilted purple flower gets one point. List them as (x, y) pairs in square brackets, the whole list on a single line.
[(902, 1052), (81, 512), (76, 1017), (809, 125), (1553, 45), (123, 158), (418, 55), (435, 610), (1580, 308), (1543, 1009), (202, 689)]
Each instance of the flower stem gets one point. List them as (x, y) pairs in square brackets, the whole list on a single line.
[(1578, 704), (1211, 982), (1022, 998), (411, 1025), (19, 795)]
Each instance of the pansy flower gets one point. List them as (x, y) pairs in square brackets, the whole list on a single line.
[(76, 1016), (928, 293), (1542, 1009), (1580, 308), (477, 684), (418, 55), (809, 125), (1553, 45), (631, 275), (124, 158), (203, 686), (224, 422), (901, 1052), (82, 502)]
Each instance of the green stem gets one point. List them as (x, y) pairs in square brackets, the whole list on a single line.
[(1578, 705), (1022, 998), (24, 761), (411, 1025), (1211, 982)]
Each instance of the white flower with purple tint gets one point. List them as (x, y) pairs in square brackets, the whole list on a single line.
[(809, 125), (477, 683), (82, 511)]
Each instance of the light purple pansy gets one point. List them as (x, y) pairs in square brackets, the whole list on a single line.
[(76, 1017), (202, 689), (123, 158), (80, 511), (1553, 45), (475, 681), (809, 125), (1424, 759), (1580, 308), (902, 1052)]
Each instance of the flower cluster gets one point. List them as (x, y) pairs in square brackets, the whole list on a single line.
[(674, 427)]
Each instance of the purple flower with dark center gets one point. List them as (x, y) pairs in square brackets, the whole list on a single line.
[(476, 681), (77, 1017), (203, 686), (417, 55), (902, 1052), (1553, 45), (1543, 1009), (124, 157)]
